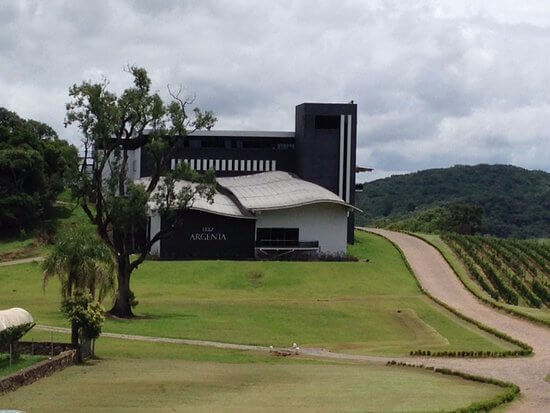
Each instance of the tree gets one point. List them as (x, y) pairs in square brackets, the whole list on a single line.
[(119, 208), (82, 262), (35, 166), (85, 314), (463, 218)]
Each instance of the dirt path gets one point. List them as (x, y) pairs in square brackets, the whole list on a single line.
[(21, 261), (438, 278)]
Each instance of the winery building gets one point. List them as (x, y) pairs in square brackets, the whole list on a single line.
[(277, 192)]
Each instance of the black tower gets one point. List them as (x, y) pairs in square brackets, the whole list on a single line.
[(325, 142)]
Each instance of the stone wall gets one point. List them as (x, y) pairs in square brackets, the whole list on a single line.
[(42, 369), (41, 348)]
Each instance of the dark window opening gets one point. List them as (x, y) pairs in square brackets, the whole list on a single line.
[(279, 237), (327, 122)]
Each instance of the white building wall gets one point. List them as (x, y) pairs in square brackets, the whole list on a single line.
[(323, 222), (133, 166), (155, 228)]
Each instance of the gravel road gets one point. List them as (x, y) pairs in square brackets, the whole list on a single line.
[(438, 278)]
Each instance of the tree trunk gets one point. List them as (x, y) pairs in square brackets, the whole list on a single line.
[(122, 307), (74, 342), (74, 334)]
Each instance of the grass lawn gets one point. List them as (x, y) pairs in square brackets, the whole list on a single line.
[(542, 314), (372, 307), (188, 378), (22, 363)]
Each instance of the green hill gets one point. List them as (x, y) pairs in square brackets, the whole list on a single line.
[(515, 201)]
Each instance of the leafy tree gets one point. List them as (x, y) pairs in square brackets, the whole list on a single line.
[(463, 219), (81, 262), (35, 166), (111, 125)]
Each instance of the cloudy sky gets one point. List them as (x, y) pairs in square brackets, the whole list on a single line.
[(437, 83)]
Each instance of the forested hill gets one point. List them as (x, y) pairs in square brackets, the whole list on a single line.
[(516, 201)]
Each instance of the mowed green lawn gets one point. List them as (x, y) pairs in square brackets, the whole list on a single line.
[(372, 307), (145, 377)]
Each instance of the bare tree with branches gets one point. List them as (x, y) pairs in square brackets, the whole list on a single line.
[(117, 206)]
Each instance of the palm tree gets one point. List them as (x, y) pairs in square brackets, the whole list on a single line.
[(81, 261)]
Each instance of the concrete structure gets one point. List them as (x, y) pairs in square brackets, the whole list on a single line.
[(255, 215), (277, 190)]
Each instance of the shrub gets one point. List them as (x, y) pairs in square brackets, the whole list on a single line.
[(85, 313)]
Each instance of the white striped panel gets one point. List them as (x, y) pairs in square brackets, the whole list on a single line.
[(348, 179), (341, 169), (223, 164)]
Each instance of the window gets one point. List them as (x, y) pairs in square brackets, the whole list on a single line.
[(327, 122), (279, 237)]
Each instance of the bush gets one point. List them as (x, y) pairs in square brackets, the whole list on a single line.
[(85, 313)]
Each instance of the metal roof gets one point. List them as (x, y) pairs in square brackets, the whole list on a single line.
[(244, 133), (241, 196), (237, 133), (278, 190), (222, 205)]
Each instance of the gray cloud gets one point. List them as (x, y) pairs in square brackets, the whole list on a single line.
[(437, 82)]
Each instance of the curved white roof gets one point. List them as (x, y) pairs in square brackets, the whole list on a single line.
[(222, 205), (240, 196), (277, 190), (14, 317)]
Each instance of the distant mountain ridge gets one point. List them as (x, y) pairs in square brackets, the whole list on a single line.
[(516, 201)]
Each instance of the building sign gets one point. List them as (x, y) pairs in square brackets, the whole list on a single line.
[(208, 234)]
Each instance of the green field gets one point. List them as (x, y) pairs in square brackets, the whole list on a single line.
[(367, 307), (16, 365), (372, 307), (542, 314), (169, 377)]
